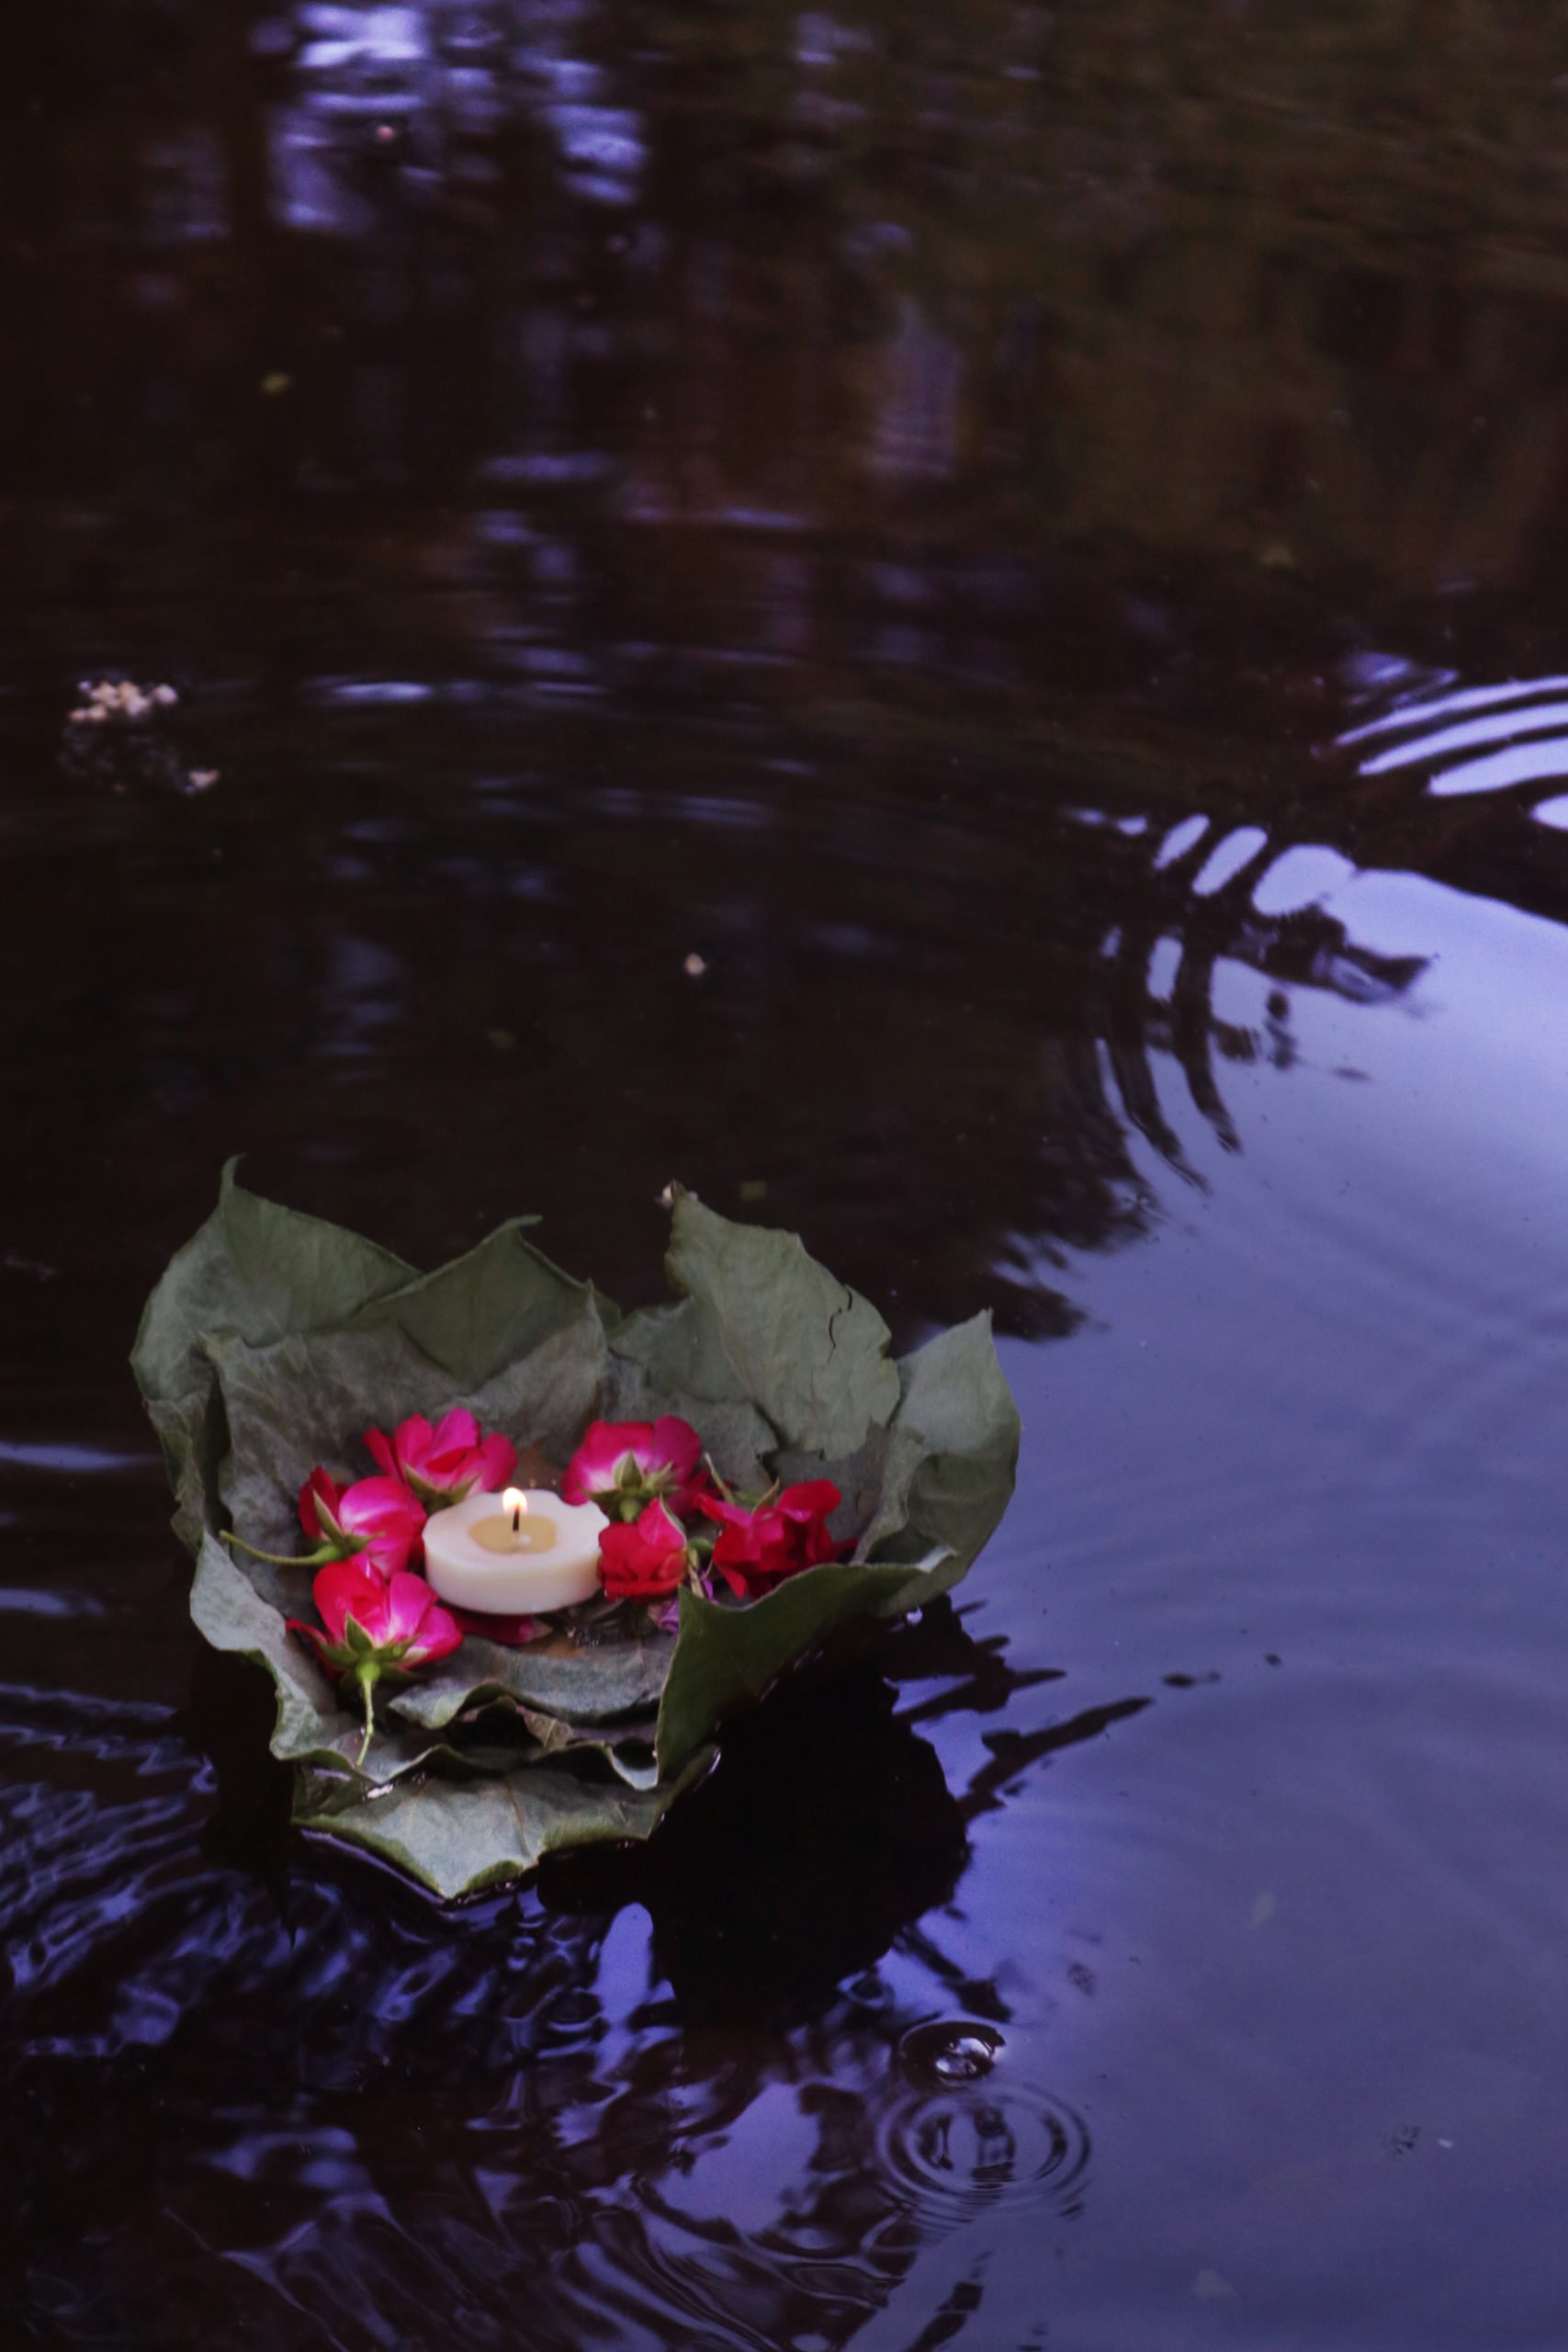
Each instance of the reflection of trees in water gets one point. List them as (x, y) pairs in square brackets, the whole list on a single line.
[(778, 270), (381, 2116), (942, 1018), (760, 372)]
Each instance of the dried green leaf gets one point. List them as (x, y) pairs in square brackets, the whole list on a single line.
[(765, 1325), (583, 1686), (727, 1657), (460, 1838)]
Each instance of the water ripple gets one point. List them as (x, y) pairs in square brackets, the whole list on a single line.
[(967, 2145), (1443, 730), (76, 1460)]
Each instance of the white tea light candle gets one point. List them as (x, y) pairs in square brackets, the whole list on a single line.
[(517, 1555)]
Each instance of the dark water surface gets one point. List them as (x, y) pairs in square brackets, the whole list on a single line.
[(1032, 541)]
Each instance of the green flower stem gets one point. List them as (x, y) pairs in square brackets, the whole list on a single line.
[(277, 1559), (364, 1674)]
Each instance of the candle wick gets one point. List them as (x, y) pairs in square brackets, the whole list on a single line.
[(517, 1520)]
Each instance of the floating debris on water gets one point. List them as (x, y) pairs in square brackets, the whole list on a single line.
[(113, 738), (120, 699)]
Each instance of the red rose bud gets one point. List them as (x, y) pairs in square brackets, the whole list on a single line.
[(622, 1466), (376, 1521), (376, 1628), (646, 1560), (760, 1545), (443, 1464)]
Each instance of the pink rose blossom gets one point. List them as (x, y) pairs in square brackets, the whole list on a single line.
[(378, 1520), (623, 1466), (375, 1627), (443, 1464), (400, 1617)]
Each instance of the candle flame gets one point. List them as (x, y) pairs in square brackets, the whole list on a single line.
[(515, 1502)]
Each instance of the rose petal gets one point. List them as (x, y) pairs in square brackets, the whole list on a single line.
[(513, 1633)]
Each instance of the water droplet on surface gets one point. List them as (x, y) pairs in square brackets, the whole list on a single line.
[(945, 2050), (967, 2056)]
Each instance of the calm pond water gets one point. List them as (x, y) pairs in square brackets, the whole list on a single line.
[(1032, 541)]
